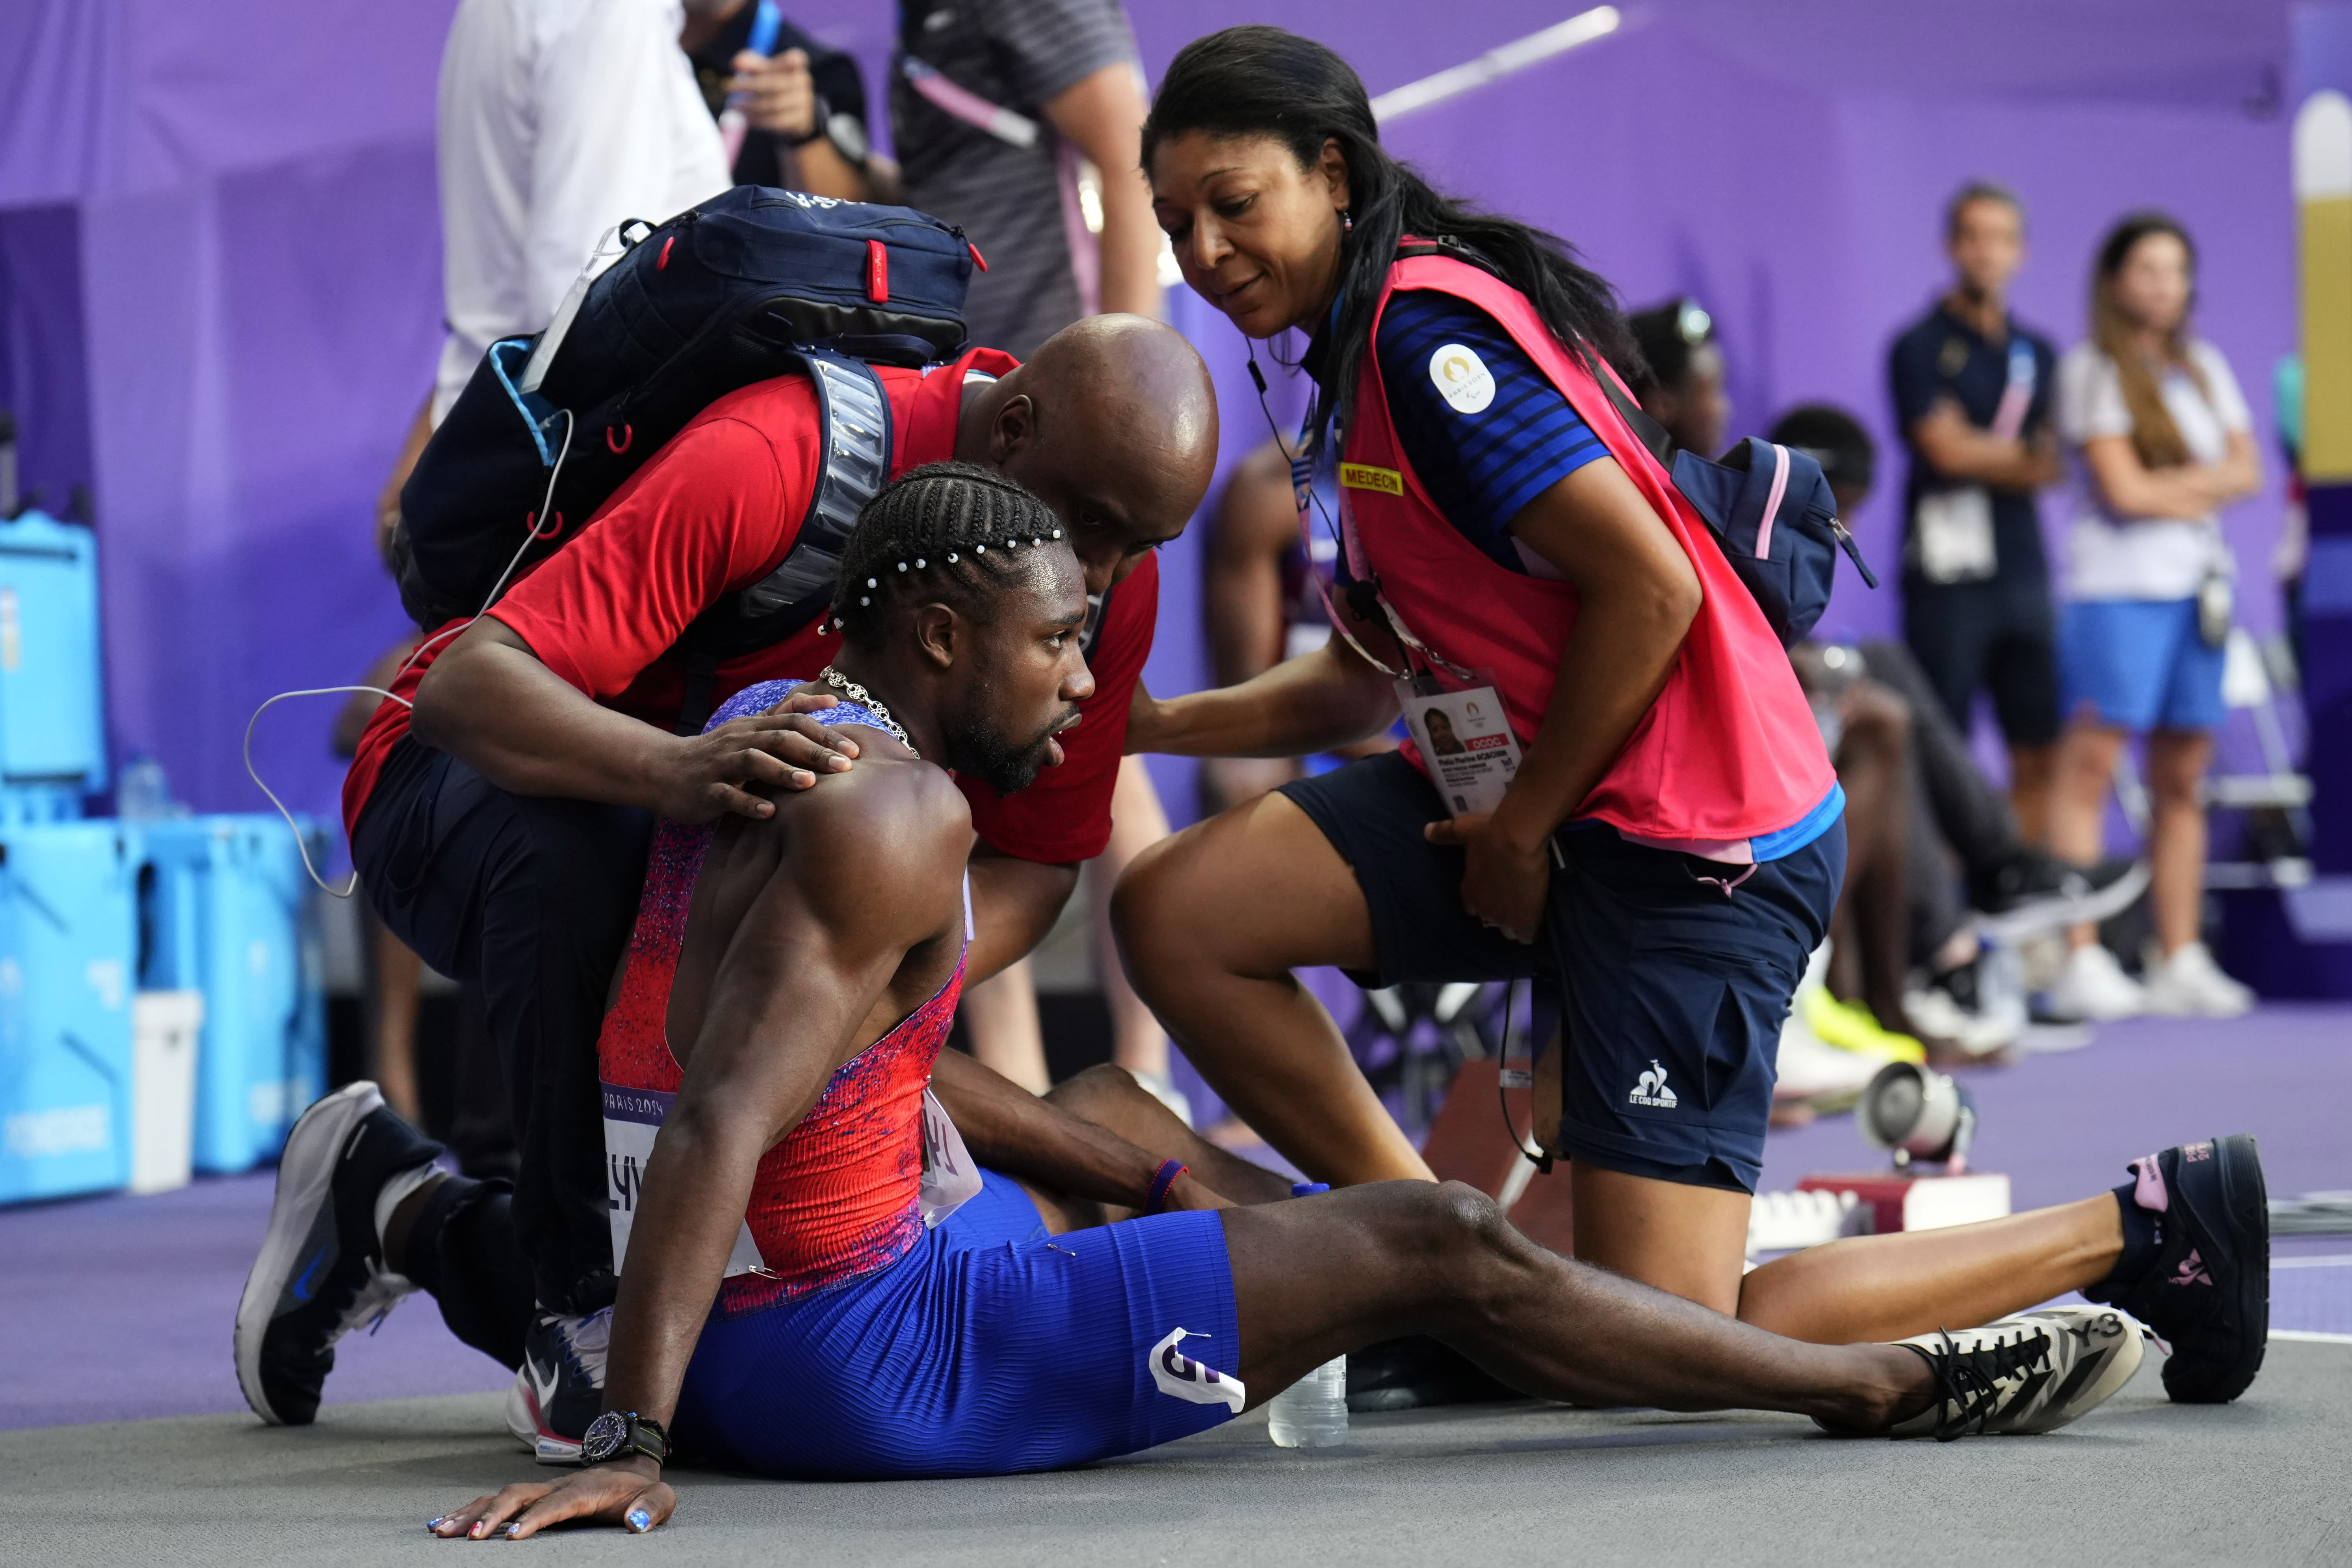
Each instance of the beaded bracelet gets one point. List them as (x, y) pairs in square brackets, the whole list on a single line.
[(1161, 1180)]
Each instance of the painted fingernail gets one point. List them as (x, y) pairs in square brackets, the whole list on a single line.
[(640, 1520)]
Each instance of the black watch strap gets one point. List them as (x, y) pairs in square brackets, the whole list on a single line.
[(817, 126), (621, 1434)]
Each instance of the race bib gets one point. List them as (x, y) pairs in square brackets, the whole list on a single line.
[(950, 1179), (633, 1117), (1952, 533), (1465, 739)]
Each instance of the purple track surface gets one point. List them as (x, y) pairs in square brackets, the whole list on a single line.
[(120, 1307)]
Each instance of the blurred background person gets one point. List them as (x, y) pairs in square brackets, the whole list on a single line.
[(1972, 391), (1262, 602), (1052, 196), (2165, 440), (1686, 392), (1061, 243), (806, 105)]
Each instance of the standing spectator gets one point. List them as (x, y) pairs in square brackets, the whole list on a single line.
[(2165, 441), (1066, 71), (1972, 394), (995, 104), (806, 105), (558, 120)]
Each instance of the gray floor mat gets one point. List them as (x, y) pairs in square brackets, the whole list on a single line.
[(2140, 1481)]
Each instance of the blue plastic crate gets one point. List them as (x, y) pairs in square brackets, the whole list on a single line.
[(228, 912), (68, 953), (52, 703)]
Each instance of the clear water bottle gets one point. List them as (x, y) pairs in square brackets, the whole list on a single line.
[(1313, 1412)]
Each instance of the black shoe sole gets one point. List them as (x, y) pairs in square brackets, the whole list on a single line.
[(2245, 1203)]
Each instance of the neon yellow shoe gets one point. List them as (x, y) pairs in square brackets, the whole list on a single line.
[(1850, 1026)]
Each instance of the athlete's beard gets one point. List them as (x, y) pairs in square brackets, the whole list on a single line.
[(995, 758)]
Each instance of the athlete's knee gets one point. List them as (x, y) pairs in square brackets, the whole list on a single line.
[(1097, 1094), (1451, 1220)]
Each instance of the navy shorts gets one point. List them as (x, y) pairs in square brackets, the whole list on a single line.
[(989, 1348), (1675, 990)]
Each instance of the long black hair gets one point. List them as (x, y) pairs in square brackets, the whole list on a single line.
[(1266, 82)]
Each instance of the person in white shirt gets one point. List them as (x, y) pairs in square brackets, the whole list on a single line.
[(558, 120), (2163, 440)]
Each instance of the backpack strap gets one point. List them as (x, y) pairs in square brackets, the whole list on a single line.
[(854, 434)]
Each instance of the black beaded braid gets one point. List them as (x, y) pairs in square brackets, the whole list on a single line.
[(948, 532)]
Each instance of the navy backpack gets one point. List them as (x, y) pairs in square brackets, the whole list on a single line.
[(752, 284), (1770, 511)]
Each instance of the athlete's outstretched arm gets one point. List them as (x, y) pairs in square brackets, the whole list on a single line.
[(816, 913), (1318, 702), (1086, 1139)]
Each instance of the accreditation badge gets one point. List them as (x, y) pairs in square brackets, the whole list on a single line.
[(633, 1120), (1465, 739), (1952, 535)]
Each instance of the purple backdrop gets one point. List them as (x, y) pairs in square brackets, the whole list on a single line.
[(238, 211)]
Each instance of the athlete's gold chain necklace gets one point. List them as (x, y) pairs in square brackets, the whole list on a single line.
[(865, 700)]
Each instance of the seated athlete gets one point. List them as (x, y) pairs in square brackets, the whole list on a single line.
[(784, 1303)]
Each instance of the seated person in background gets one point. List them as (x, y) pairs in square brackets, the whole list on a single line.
[(1952, 836), (1684, 391), (787, 991), (1262, 603)]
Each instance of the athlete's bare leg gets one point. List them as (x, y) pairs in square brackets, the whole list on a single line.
[(1211, 923), (1319, 1277)]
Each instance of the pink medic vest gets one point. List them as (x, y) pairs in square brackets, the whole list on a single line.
[(1727, 752)]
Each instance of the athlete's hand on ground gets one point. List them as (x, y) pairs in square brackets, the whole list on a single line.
[(783, 748), (1503, 885), (627, 1492), (778, 94)]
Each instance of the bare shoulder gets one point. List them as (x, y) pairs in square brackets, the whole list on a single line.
[(889, 839)]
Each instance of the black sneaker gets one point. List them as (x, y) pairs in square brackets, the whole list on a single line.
[(1418, 1371), (2208, 1295), (2034, 891), (321, 1271), (560, 1387)]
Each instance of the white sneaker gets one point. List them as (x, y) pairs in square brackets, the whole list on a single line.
[(2093, 986), (2031, 1373), (1808, 1068), (2189, 985)]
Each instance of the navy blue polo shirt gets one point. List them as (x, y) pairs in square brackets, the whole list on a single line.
[(1942, 358)]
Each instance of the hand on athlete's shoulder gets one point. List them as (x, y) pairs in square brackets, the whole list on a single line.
[(882, 846), (724, 769)]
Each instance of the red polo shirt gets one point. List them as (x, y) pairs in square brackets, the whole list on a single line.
[(716, 510)]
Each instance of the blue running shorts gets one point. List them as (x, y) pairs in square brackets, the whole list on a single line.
[(989, 1348), (2139, 664), (1678, 985)]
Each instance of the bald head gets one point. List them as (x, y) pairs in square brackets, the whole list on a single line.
[(1113, 423)]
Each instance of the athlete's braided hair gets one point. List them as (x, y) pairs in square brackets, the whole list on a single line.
[(953, 532)]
